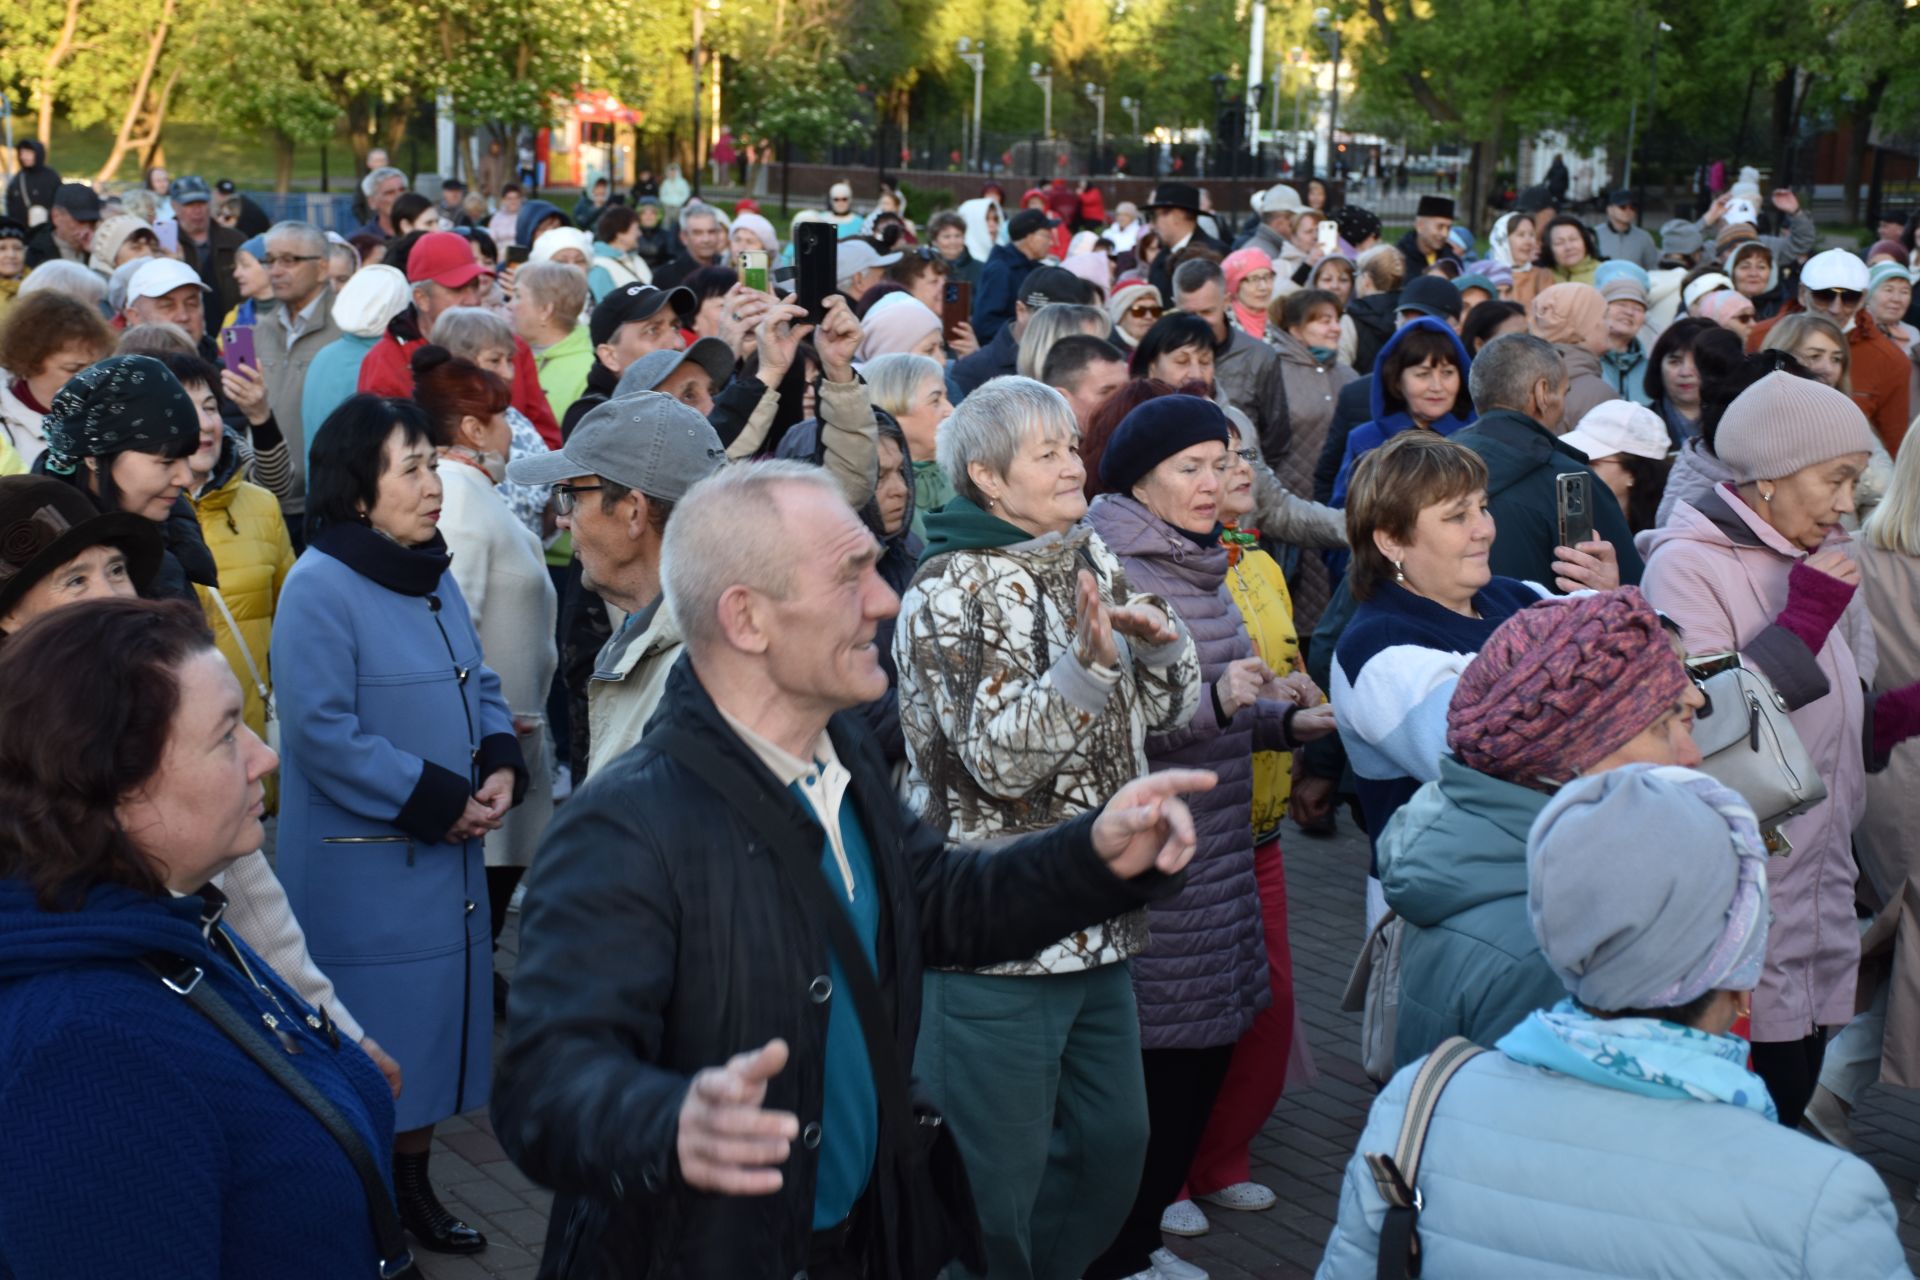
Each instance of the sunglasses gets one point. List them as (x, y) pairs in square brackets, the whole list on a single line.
[(1144, 311), (1849, 297)]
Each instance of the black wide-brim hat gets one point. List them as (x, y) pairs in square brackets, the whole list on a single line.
[(46, 522), (1175, 195)]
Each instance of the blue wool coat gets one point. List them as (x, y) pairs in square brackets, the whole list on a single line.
[(381, 743), (139, 1139)]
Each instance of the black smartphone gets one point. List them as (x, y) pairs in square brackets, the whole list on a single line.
[(816, 246), (517, 254), (956, 306), (1574, 498)]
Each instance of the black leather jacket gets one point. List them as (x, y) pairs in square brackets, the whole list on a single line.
[(659, 937)]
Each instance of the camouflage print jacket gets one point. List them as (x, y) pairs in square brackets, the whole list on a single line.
[(1007, 730)]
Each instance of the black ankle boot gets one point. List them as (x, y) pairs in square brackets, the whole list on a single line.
[(424, 1215)]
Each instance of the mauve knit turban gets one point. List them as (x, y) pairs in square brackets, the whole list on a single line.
[(1562, 684)]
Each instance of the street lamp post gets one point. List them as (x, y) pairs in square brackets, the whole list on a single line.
[(974, 54), (1045, 80), (1323, 22), (1098, 97), (1132, 107), (1219, 82)]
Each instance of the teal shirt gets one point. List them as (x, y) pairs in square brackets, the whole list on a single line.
[(850, 1106)]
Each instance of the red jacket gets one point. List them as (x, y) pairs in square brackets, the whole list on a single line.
[(1877, 368), (1093, 207), (387, 370)]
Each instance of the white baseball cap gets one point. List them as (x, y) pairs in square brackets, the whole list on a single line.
[(1835, 269), (1281, 198), (160, 277), (1620, 426)]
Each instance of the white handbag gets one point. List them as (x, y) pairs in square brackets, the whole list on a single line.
[(272, 734), (1747, 743)]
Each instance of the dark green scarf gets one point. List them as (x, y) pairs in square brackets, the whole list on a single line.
[(962, 526)]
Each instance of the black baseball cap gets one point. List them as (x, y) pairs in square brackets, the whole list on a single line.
[(1434, 296), (1623, 197), (1028, 221), (79, 201), (1045, 285), (635, 302), (189, 189), (453, 184)]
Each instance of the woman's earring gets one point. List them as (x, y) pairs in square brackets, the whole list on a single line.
[(1766, 497), (1398, 576)]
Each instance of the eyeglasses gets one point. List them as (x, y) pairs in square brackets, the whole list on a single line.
[(841, 199), (1144, 311), (1848, 297), (288, 259), (564, 496)]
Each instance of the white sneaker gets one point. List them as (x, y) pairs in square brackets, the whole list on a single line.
[(1184, 1218), (1827, 1118), (1248, 1197), (1168, 1265)]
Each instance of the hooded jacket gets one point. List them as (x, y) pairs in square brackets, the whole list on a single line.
[(127, 1096), (1720, 572), (1453, 864), (1000, 279), (33, 188), (244, 531), (1523, 459), (1203, 977), (1373, 326), (532, 214), (1385, 424)]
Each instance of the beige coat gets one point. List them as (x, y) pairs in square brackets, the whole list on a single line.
[(1889, 854)]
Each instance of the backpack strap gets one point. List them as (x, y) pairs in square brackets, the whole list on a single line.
[(1396, 1176)]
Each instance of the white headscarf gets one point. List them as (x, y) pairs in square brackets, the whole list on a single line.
[(974, 213), (1497, 241)]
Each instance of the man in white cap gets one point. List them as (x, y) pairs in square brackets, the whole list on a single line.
[(1834, 284), (858, 266), (168, 291), (1280, 208)]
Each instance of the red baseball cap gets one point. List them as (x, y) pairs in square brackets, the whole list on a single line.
[(444, 258)]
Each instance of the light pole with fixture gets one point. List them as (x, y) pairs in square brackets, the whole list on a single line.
[(1323, 22), (974, 54), (1098, 97), (1045, 80)]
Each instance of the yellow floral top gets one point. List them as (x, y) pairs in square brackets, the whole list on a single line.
[(1260, 589)]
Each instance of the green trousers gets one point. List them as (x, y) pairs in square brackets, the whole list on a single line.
[(1040, 1080)]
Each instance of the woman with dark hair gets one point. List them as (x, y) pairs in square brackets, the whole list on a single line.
[(1178, 348), (1421, 381), (400, 757), (1320, 197), (616, 252), (502, 571), (1675, 375), (1569, 250), (414, 212), (1493, 318), (122, 431), (128, 1096), (710, 286)]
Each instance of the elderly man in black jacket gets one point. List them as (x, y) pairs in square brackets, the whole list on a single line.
[(686, 1061)]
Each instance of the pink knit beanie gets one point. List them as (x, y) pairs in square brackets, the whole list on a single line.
[(1783, 423), (1562, 684)]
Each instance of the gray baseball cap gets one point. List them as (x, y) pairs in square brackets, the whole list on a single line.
[(646, 441), (855, 255), (654, 368)]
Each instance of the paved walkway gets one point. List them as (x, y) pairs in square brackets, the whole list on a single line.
[(1302, 1154)]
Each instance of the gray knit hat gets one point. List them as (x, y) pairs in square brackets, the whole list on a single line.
[(1783, 423), (1647, 888)]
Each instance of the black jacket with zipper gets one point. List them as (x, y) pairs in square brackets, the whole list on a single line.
[(660, 936)]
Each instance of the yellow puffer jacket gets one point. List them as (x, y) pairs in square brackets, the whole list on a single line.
[(242, 525), (1260, 589)]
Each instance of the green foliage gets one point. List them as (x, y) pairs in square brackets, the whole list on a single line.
[(811, 101)]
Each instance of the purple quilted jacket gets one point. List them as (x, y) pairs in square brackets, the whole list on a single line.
[(1203, 976)]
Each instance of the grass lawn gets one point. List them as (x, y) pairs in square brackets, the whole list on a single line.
[(208, 151)]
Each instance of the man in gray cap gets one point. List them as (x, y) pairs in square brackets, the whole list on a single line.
[(615, 482), (858, 266), (1621, 236)]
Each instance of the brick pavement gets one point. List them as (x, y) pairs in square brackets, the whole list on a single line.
[(1302, 1153)]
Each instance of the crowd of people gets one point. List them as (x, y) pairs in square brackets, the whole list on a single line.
[(884, 716)]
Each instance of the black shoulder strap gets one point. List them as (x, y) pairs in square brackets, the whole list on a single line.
[(747, 793), (185, 979)]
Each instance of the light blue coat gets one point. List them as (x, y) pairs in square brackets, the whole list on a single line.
[(368, 694), (1535, 1175)]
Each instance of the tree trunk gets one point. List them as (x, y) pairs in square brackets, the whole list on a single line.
[(43, 89), (1862, 120), (282, 162), (139, 102)]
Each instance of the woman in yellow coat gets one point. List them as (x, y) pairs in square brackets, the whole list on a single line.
[(242, 526), (1273, 1052)]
